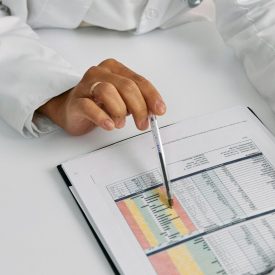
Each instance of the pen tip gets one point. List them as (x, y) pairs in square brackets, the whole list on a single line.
[(170, 202)]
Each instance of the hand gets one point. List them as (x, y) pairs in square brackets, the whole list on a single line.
[(104, 97)]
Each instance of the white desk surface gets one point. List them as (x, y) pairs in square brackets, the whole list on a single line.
[(42, 230)]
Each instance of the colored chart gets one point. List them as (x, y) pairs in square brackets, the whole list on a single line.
[(222, 221), (194, 257), (152, 221), (158, 228)]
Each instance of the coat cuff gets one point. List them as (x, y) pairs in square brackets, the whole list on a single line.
[(31, 74)]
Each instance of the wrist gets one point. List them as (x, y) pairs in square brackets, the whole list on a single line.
[(53, 108)]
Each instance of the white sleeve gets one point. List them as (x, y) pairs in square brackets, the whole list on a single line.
[(248, 26), (31, 74)]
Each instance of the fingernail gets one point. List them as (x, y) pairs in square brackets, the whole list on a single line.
[(160, 107), (143, 125), (120, 123), (108, 124)]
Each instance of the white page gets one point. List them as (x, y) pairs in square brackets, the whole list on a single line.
[(222, 171)]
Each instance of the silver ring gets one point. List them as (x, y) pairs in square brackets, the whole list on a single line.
[(93, 87)]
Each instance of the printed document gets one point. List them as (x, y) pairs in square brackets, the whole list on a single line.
[(222, 171)]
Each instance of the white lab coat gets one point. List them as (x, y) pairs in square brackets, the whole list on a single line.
[(31, 73)]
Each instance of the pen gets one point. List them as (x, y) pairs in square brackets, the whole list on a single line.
[(157, 139)]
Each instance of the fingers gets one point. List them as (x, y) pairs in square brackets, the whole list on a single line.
[(107, 96), (134, 101), (120, 100), (93, 113), (118, 90), (132, 98), (151, 96)]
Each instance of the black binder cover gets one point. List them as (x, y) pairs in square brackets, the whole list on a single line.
[(65, 178)]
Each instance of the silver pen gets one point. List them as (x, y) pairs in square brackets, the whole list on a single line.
[(157, 139)]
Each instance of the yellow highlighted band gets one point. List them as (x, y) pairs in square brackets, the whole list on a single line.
[(141, 222), (183, 261)]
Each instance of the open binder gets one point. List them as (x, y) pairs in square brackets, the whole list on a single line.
[(222, 167)]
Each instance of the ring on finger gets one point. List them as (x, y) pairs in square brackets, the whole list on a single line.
[(93, 87)]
